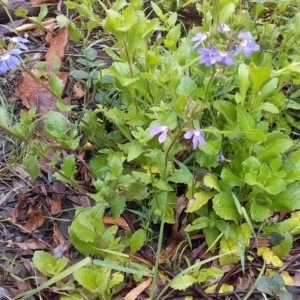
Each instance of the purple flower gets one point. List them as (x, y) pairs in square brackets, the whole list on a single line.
[(210, 56), (199, 38), (159, 129), (246, 44), (9, 61), (224, 28), (198, 137), (226, 58), (19, 41)]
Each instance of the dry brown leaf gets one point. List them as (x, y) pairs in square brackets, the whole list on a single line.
[(55, 206), (133, 294), (31, 244), (78, 92), (121, 222), (58, 43), (35, 219)]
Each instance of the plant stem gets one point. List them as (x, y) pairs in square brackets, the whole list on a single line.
[(158, 252)]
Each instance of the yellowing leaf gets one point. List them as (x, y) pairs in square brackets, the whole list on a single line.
[(287, 278), (270, 258), (225, 288)]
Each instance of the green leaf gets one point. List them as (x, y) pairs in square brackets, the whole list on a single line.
[(182, 282), (62, 21), (229, 179), (244, 83), (32, 166), (68, 169), (285, 245), (79, 74), (137, 240), (199, 199), (187, 86), (134, 152), (88, 278), (181, 176), (48, 264), (287, 200), (224, 206), (245, 120), (90, 53), (258, 212)]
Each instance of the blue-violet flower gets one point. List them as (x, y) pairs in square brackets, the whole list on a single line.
[(9, 61), (226, 58), (247, 44), (210, 56), (199, 38), (19, 41), (224, 28), (197, 137), (159, 129)]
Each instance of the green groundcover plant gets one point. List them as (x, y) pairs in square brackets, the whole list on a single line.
[(209, 112)]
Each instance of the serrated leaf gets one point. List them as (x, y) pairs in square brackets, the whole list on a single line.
[(87, 278), (137, 240), (182, 282), (44, 262)]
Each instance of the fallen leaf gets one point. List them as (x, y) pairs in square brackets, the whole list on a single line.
[(270, 258), (31, 244), (121, 222), (78, 92), (133, 294), (55, 206), (35, 219), (56, 51)]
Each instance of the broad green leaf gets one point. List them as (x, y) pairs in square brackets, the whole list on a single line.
[(208, 274), (245, 120), (226, 109), (229, 179), (243, 80), (4, 118), (198, 224), (237, 241), (199, 199), (88, 278), (211, 181), (79, 74), (68, 169), (258, 212), (157, 10), (187, 86), (276, 144), (269, 107), (285, 246), (48, 264), (90, 53), (137, 240), (259, 76), (224, 206), (181, 176), (288, 199), (134, 152), (183, 282)]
